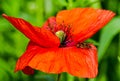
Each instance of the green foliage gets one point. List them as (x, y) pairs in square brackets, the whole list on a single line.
[(107, 34), (13, 43)]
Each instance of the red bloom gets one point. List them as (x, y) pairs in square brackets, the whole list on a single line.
[(59, 45)]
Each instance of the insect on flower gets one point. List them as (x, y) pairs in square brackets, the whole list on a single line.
[(58, 46)]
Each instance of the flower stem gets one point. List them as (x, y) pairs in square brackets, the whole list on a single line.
[(119, 48), (58, 77), (39, 12)]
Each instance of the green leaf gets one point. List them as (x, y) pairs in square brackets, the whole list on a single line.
[(92, 41), (70, 77), (95, 3), (5, 70), (59, 3), (107, 34)]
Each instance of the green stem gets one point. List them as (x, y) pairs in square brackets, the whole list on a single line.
[(39, 12), (119, 46), (58, 77)]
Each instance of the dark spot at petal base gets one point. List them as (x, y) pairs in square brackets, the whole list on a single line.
[(28, 70), (83, 45)]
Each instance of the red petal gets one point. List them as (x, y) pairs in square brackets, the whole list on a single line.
[(81, 62), (27, 56), (38, 35), (50, 24), (84, 22)]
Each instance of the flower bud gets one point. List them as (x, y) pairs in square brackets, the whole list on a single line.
[(61, 35)]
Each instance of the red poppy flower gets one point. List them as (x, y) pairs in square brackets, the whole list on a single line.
[(59, 45)]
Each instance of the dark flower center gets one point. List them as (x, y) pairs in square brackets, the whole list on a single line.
[(62, 31)]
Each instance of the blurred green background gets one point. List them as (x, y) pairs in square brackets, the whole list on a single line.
[(13, 43)]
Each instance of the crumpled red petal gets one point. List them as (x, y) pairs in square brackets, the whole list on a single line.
[(80, 62), (42, 37), (84, 22)]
